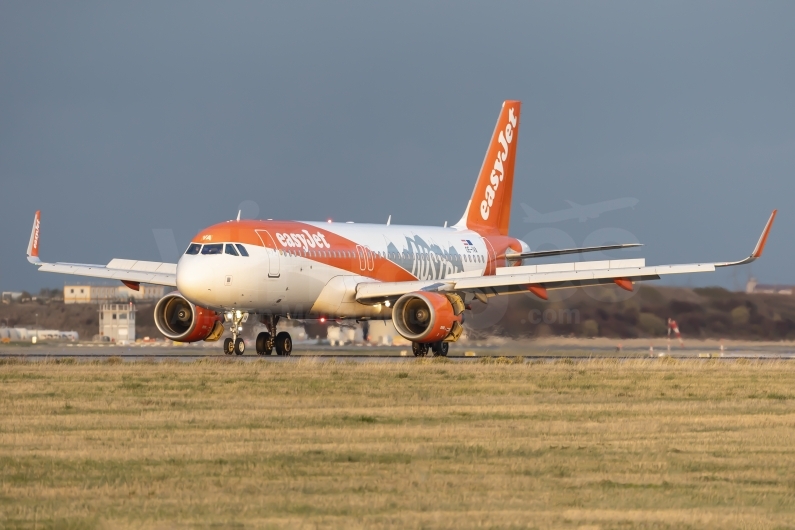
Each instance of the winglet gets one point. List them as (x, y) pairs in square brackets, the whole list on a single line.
[(33, 244), (760, 245)]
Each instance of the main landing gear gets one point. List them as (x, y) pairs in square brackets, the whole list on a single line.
[(235, 345), (268, 340), (439, 348)]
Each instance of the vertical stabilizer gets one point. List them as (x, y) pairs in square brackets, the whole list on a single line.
[(489, 210)]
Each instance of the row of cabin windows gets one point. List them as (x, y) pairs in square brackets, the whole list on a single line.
[(239, 250), (218, 248), (386, 255)]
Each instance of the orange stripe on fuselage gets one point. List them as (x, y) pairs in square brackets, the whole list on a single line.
[(306, 241), (232, 232)]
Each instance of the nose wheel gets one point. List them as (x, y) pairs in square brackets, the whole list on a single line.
[(235, 345)]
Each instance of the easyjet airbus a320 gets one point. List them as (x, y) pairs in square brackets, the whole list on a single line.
[(424, 278)]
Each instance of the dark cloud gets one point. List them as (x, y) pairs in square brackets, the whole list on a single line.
[(117, 119)]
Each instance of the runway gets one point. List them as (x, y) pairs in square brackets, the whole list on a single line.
[(471, 353)]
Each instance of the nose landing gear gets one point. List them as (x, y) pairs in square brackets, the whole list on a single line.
[(235, 345)]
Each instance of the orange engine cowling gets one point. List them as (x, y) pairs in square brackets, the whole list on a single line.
[(428, 317), (180, 320)]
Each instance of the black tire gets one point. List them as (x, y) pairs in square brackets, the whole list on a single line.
[(283, 343), (264, 343), (229, 347), (419, 349), (240, 346), (440, 348)]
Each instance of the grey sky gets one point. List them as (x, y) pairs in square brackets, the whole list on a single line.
[(120, 118)]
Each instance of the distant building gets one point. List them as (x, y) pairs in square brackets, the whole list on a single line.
[(117, 322), (100, 294), (10, 296), (752, 287), (25, 334)]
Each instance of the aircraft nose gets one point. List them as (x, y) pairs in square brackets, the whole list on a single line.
[(194, 280)]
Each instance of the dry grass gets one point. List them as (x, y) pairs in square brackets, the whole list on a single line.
[(599, 444)]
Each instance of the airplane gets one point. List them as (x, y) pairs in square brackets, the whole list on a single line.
[(578, 211), (423, 278)]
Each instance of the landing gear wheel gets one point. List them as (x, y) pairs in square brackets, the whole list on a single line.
[(229, 346), (240, 346), (419, 349), (283, 343), (264, 343), (440, 348)]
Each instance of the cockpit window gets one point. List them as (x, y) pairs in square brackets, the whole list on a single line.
[(242, 249), (194, 248), (230, 249), (216, 248)]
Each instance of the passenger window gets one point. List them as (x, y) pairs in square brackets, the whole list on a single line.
[(194, 248), (216, 248), (242, 249), (230, 249)]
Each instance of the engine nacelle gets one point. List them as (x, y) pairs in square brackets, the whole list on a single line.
[(428, 317), (180, 320)]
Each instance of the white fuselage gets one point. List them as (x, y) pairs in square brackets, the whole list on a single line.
[(305, 269)]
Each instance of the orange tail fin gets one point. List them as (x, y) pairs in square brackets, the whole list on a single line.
[(489, 210)]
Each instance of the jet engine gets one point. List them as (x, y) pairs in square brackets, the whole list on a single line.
[(428, 317), (182, 321)]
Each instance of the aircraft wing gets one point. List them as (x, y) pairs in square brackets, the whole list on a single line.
[(560, 252), (130, 272), (540, 278)]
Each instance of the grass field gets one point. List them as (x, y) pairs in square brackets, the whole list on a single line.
[(225, 444)]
